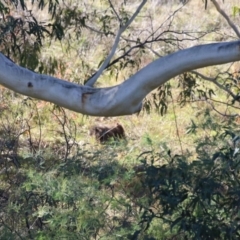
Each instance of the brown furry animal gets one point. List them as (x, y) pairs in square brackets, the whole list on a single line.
[(104, 133)]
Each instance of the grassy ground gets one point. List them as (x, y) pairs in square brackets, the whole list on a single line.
[(67, 174)]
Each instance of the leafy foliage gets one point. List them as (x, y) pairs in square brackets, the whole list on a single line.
[(236, 11), (59, 188), (81, 193)]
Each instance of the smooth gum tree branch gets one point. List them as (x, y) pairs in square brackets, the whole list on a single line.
[(221, 11), (123, 99), (92, 80)]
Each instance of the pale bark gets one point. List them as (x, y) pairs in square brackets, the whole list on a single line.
[(123, 99), (91, 81)]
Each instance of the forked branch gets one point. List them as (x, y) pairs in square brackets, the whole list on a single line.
[(92, 80)]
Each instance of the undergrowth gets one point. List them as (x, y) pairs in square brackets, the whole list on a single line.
[(55, 184), (175, 177)]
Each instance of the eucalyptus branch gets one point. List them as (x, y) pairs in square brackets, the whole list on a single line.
[(213, 80), (122, 99), (223, 103), (220, 113), (94, 30), (115, 11), (221, 11), (151, 39), (92, 80)]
